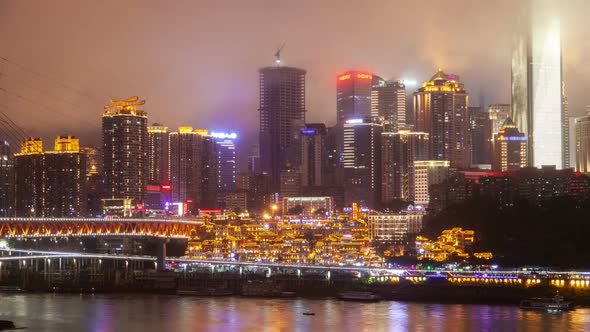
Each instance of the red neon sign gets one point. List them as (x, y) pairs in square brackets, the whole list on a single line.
[(344, 77), (166, 186), (364, 76)]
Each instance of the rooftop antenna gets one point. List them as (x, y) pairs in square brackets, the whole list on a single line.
[(278, 54)]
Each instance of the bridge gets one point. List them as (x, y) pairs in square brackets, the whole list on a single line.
[(60, 227)]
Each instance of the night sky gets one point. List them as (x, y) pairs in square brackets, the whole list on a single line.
[(196, 62)]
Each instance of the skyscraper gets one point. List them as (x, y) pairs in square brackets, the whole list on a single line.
[(362, 162), (481, 138), (64, 189), (157, 153), (582, 133), (353, 95), (282, 106), (125, 147), (6, 180), (28, 186), (537, 94), (398, 153), (313, 154), (440, 109), (226, 163), (51, 183), (388, 104), (184, 166), (510, 148)]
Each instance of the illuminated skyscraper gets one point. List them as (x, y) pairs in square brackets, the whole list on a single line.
[(510, 148), (125, 148), (388, 104), (6, 180), (282, 106), (184, 166), (226, 163), (441, 110), (28, 186), (64, 190), (157, 154), (582, 129), (537, 94), (353, 95), (313, 154), (362, 162), (398, 153), (51, 183)]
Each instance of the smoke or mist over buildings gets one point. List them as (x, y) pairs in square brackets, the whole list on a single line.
[(196, 62)]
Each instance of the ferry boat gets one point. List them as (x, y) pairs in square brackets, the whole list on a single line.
[(204, 292), (11, 289), (550, 304), (358, 296)]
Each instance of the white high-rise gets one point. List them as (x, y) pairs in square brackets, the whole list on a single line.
[(537, 95)]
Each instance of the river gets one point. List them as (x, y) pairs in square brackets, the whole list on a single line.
[(62, 312)]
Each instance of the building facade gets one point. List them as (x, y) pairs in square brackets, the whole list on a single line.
[(426, 174), (388, 104), (398, 153), (510, 148), (157, 154), (28, 175), (125, 153), (481, 136), (313, 154), (6, 180), (226, 164), (282, 110), (537, 92), (441, 110), (362, 162)]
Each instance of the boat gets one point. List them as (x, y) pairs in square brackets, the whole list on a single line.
[(358, 296), (309, 313), (550, 304), (205, 291)]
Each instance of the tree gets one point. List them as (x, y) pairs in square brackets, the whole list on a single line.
[(297, 209)]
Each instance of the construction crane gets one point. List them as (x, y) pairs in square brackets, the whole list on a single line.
[(278, 54)]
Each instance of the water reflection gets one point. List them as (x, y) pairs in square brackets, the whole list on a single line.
[(48, 312)]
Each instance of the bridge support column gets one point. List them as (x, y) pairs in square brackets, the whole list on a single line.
[(161, 254)]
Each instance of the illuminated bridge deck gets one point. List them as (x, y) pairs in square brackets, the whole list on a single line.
[(58, 227)]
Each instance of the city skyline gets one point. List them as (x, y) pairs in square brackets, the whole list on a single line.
[(225, 89)]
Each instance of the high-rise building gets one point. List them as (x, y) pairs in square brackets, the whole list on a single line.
[(481, 136), (93, 181), (51, 183), (6, 180), (184, 167), (125, 148), (362, 162), (582, 134), (498, 113), (353, 95), (157, 154), (510, 148), (313, 154), (426, 174), (441, 110), (537, 94), (208, 167), (28, 186), (64, 189), (226, 163), (290, 182), (565, 124), (388, 104), (398, 153), (282, 107)]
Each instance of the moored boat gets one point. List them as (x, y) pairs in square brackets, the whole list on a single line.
[(358, 296), (551, 304)]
